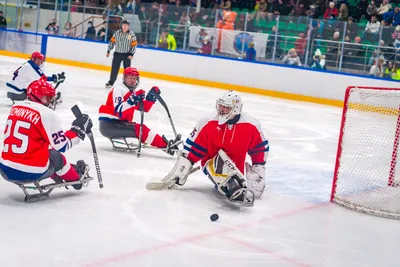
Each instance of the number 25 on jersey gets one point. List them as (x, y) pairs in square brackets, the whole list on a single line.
[(16, 137)]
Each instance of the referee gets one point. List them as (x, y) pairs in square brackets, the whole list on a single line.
[(125, 44)]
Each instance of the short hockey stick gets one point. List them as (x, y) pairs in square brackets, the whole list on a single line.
[(141, 109), (166, 185), (77, 112), (162, 102)]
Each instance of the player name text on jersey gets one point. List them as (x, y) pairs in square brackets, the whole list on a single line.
[(28, 114)]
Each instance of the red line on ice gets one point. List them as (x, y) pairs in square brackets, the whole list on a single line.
[(266, 251), (157, 248)]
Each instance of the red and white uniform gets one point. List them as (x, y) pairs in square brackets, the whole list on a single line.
[(30, 131), (116, 107), (237, 140)]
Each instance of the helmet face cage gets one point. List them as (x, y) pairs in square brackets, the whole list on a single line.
[(228, 106)]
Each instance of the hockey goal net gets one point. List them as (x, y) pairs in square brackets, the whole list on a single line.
[(367, 174)]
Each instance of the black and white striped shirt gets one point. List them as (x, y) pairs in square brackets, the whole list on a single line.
[(124, 42)]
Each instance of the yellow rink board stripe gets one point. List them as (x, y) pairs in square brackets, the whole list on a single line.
[(172, 78)]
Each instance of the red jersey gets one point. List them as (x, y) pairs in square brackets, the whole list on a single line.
[(237, 140), (31, 128), (116, 107)]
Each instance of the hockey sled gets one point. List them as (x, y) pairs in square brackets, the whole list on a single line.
[(122, 144), (46, 189)]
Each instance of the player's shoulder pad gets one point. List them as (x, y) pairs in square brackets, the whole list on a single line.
[(120, 88), (212, 116), (246, 118)]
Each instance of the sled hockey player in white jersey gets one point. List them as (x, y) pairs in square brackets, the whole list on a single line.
[(221, 142), (27, 73), (34, 143)]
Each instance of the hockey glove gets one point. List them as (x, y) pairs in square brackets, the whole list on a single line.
[(180, 172), (59, 78), (136, 98), (152, 94), (255, 176), (81, 126)]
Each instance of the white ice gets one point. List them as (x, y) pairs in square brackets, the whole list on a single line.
[(294, 224)]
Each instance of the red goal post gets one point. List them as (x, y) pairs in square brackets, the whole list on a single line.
[(367, 172)]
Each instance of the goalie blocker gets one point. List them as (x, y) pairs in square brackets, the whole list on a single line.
[(221, 142)]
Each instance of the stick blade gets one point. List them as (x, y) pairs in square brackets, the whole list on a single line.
[(159, 185)]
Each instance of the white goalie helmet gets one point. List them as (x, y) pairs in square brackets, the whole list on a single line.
[(228, 105)]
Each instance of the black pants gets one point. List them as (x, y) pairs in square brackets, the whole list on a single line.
[(117, 129), (116, 64)]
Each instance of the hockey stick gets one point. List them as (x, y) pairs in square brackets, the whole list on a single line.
[(141, 109), (162, 102), (166, 185), (77, 112)]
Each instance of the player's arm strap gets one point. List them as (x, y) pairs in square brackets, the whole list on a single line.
[(261, 147), (194, 150)]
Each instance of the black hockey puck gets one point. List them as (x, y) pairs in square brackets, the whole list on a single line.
[(214, 217)]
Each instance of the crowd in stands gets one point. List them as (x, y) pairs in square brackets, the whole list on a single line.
[(320, 23)]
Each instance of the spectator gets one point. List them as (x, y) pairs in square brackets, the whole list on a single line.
[(291, 58), (68, 31), (299, 10), (385, 7), (392, 17), (167, 40), (75, 6), (390, 70), (226, 5), (352, 28), (396, 72), (91, 32), (343, 12), (250, 53), (332, 52), (300, 46), (52, 27), (262, 10), (376, 70), (361, 9), (372, 29), (3, 20), (318, 61), (372, 10), (396, 33), (311, 13), (144, 19), (331, 12), (206, 47), (130, 7)]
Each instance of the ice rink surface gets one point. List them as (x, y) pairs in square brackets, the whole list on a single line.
[(294, 224)]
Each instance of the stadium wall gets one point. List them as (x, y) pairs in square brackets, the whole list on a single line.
[(259, 78)]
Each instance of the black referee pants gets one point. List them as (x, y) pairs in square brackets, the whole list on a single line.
[(116, 64)]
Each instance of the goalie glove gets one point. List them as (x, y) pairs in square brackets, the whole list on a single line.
[(180, 172), (255, 176)]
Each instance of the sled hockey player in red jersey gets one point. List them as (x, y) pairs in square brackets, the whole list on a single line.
[(116, 115), (31, 128), (27, 73), (221, 142)]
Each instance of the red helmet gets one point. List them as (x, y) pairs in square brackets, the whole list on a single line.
[(37, 55), (41, 92), (131, 72)]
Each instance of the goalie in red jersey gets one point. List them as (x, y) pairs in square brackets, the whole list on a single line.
[(221, 142), (116, 115)]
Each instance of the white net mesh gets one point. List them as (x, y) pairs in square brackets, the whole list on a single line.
[(367, 174)]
